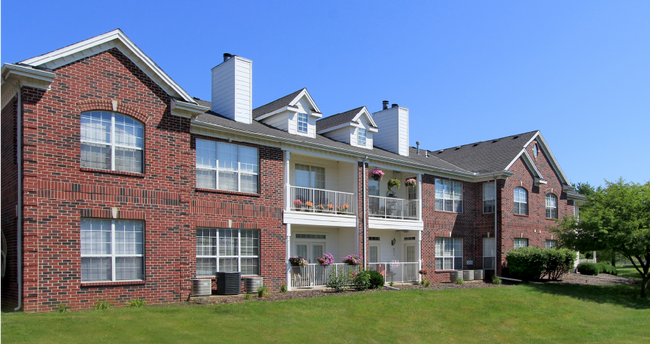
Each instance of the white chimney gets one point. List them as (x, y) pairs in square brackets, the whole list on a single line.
[(232, 88), (393, 125)]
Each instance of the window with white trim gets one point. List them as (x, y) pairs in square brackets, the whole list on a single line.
[(449, 195), (521, 201), (449, 254), (303, 122), (489, 198), (551, 243), (310, 176), (489, 253), (112, 250), (226, 166), (361, 137), (227, 250), (519, 243), (111, 141), (551, 206)]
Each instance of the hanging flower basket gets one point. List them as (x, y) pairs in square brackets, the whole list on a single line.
[(410, 182), (377, 174), (326, 259), (394, 183), (352, 259), (298, 261)]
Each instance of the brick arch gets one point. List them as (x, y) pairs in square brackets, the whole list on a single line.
[(107, 105)]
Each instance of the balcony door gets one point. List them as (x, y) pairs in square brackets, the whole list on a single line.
[(310, 176), (310, 250)]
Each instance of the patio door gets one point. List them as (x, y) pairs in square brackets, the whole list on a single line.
[(410, 270), (373, 254), (310, 250)]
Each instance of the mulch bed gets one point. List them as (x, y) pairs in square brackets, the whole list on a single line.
[(311, 293)]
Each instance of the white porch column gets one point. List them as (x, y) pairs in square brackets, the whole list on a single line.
[(420, 198), (287, 180), (419, 254), (288, 248)]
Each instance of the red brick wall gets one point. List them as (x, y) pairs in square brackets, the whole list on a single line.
[(58, 193), (9, 202)]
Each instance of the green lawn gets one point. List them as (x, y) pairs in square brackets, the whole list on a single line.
[(527, 313), (628, 272)]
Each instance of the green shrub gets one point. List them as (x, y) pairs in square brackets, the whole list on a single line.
[(63, 308), (376, 280), (606, 268), (136, 303), (101, 305), (362, 280), (532, 263), (588, 269), (496, 280), (460, 281), (391, 283), (340, 280), (247, 296), (426, 283), (263, 291), (283, 288)]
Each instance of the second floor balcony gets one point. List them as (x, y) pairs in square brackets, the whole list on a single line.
[(393, 208), (322, 201)]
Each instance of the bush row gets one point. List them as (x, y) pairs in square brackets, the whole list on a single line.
[(533, 263), (595, 269)]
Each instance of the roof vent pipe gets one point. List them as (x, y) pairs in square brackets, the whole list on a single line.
[(394, 105), (426, 153), (226, 57), (385, 105), (417, 144)]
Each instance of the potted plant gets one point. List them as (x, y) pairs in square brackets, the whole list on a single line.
[(377, 174), (298, 261), (320, 208), (343, 209), (309, 205), (330, 207), (410, 182), (394, 183), (297, 204), (352, 259), (326, 259)]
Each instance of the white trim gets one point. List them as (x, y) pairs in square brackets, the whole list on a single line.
[(368, 116), (113, 39), (547, 151), (305, 93), (319, 219), (353, 123), (397, 224), (187, 110), (280, 110)]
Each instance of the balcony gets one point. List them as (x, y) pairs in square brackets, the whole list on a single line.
[(393, 208), (320, 207), (315, 275)]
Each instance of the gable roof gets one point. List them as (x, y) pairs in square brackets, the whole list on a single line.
[(288, 100), (487, 156), (113, 39), (337, 119)]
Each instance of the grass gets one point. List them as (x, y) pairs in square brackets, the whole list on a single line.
[(526, 313), (628, 272)]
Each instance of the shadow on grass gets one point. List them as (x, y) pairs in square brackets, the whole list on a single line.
[(626, 295)]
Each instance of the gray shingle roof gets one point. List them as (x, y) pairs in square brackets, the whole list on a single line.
[(276, 104), (338, 119), (322, 141), (486, 156)]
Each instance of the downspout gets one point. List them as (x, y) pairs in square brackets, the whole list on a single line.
[(365, 210), (496, 240)]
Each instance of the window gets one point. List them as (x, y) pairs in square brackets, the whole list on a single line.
[(535, 150), (112, 250), (373, 187), (373, 254), (449, 254), (489, 253), (551, 243), (521, 201), (449, 195), (226, 166), (110, 141), (303, 122), (519, 243), (489, 198), (361, 137), (551, 206), (310, 176), (227, 250)]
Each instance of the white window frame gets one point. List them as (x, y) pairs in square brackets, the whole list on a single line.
[(551, 206), (489, 254), (205, 167), (456, 253), (518, 202), (361, 134), (312, 173), (550, 243), (489, 198), (112, 140), (239, 255), (520, 242), (113, 255), (303, 123), (450, 196)]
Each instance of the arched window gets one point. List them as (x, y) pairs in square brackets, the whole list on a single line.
[(111, 141), (521, 201), (551, 206)]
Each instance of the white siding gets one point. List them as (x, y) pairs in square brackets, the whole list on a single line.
[(339, 242), (343, 134), (303, 107), (232, 89), (393, 133), (280, 121), (339, 176), (355, 134)]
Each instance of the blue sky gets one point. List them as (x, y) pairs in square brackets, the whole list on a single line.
[(579, 71)]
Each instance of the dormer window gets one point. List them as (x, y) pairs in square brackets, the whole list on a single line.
[(302, 122), (361, 137), (535, 150)]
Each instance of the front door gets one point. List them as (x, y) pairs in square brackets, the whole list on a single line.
[(410, 270)]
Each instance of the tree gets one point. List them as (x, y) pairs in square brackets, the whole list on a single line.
[(615, 218)]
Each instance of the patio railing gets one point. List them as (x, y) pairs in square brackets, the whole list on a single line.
[(314, 275), (394, 208), (322, 201), (396, 271)]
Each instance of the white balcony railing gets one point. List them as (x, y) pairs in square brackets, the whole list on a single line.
[(393, 208), (322, 201), (314, 275), (397, 271)]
